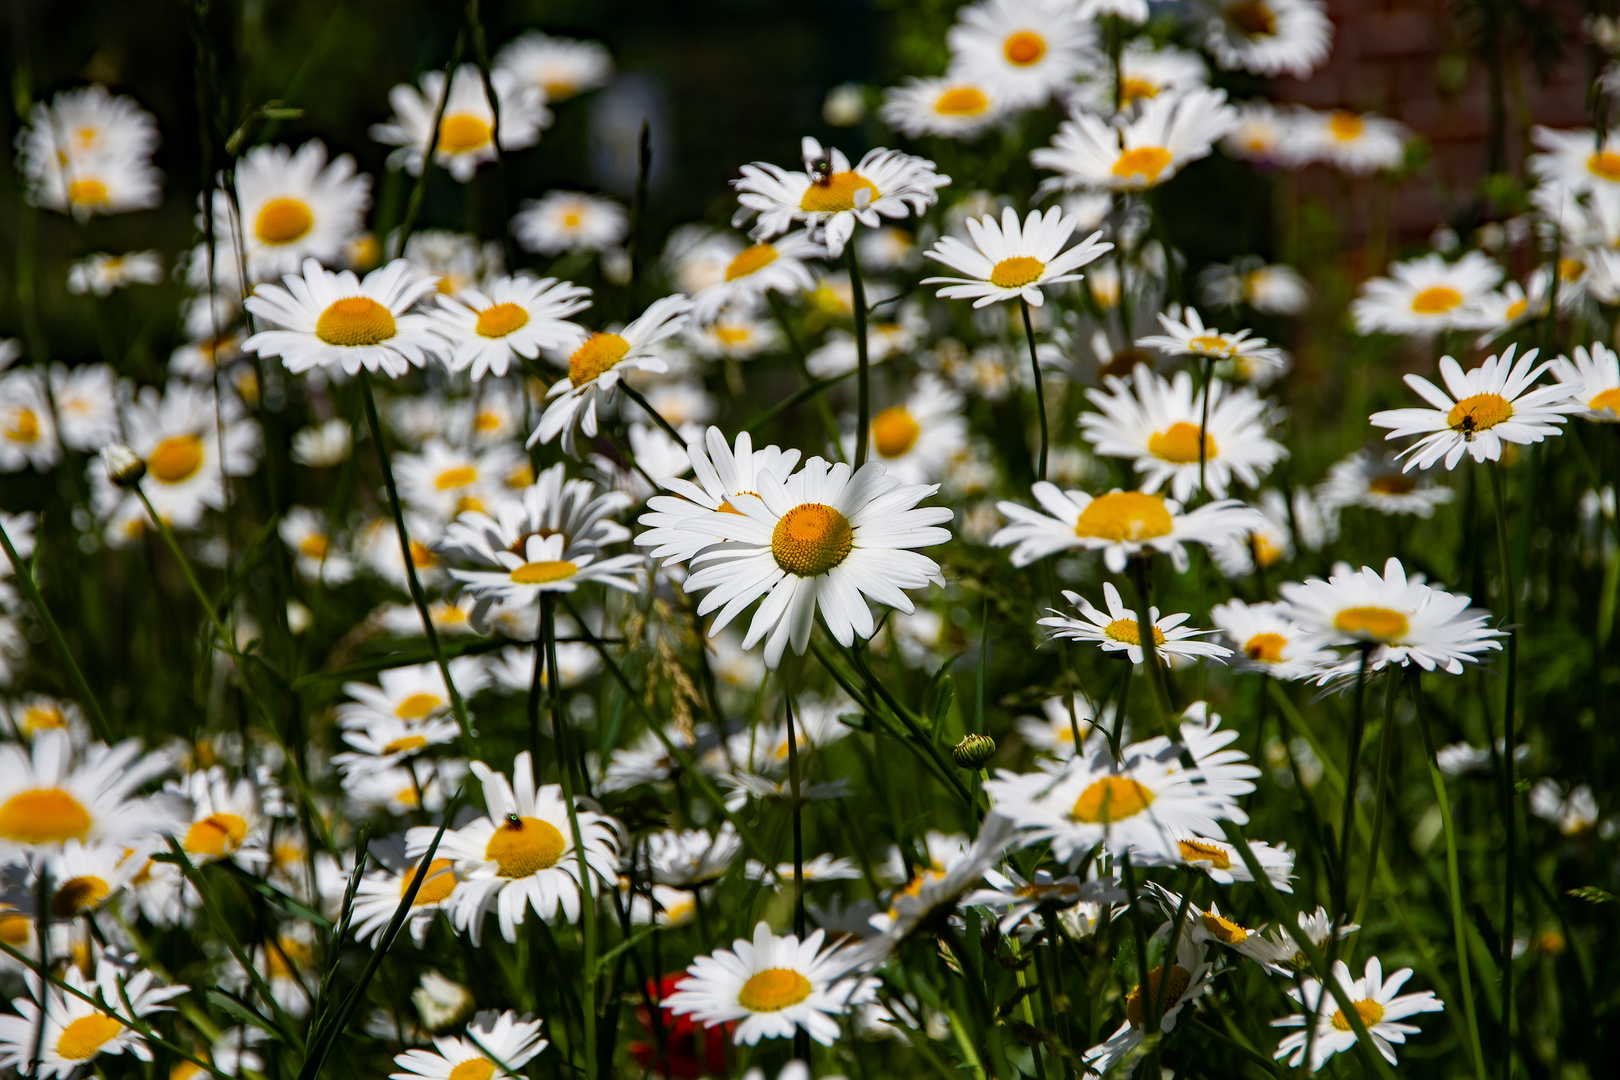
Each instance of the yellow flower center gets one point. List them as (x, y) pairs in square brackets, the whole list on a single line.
[(544, 573), (1209, 345), (1604, 163), (750, 260), (811, 539), (1039, 892), (1111, 799), (281, 221), (87, 193), (78, 894), (1478, 412), (501, 320), (473, 1069), (1436, 300), (731, 335), (437, 884), (1570, 270), (1203, 851), (599, 353), (44, 816), (1179, 443), (405, 744), (355, 321), (487, 421), (1024, 48), (81, 1039), (16, 930), (1016, 272), (1128, 631), (836, 193), (894, 431), (176, 460), (460, 133), (1224, 930), (1346, 126), (1266, 647), (1132, 89), (962, 101), (422, 556), (572, 218), (217, 834), (458, 477), (285, 956), (524, 847), (1608, 399), (1135, 1004), (1374, 623), (1370, 1012), (314, 546), (37, 718), (1253, 17), (1145, 161), (1515, 309), (773, 989), (418, 706), (1124, 515), (24, 425), (1392, 484), (725, 507)]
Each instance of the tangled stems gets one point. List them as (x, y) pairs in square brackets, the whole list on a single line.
[(1509, 817), (1040, 390), (863, 378)]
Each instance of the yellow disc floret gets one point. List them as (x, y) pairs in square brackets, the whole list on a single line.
[(599, 353), (176, 460), (962, 101), (44, 816), (751, 260), (1179, 443), (1016, 272), (355, 321), (1145, 161), (460, 133), (1371, 1012), (282, 221), (1374, 623), (544, 573), (84, 1037), (1124, 515), (525, 846), (1113, 798), (1477, 412), (773, 990), (500, 320), (811, 539), (894, 432), (1436, 300), (437, 884), (836, 193)]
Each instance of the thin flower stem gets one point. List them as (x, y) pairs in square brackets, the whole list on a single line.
[(863, 377), (414, 205), (1138, 932), (669, 429), (1040, 389), (1146, 632), (1386, 739), (418, 597), (1509, 809), (1358, 727), (801, 1037)]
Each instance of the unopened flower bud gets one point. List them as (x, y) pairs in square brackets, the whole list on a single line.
[(124, 466), (973, 751)]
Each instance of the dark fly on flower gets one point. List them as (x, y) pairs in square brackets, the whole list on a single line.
[(514, 820), (820, 170)]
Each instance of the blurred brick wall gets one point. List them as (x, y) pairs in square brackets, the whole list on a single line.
[(1409, 59)]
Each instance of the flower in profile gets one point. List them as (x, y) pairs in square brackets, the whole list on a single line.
[(1018, 899), (1117, 629), (1376, 1000), (1171, 131), (1426, 296), (498, 1044), (562, 221), (27, 425), (1266, 639), (1120, 524), (1275, 289), (1593, 381), (771, 987), (100, 273), (1487, 406), (596, 363), (825, 539), (952, 107), (1399, 620), (290, 207), (70, 1031), (1187, 979), (831, 197), (1008, 262), (1188, 336), (466, 134), (1067, 725), (1579, 161), (322, 319), (1026, 50), (1356, 143), (1369, 479), (517, 317), (1269, 37), (381, 891), (747, 274), (559, 67)]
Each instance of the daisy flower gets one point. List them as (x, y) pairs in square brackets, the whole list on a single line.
[(771, 986), (749, 273), (498, 1044), (48, 798), (1487, 406), (385, 743), (734, 334), (72, 1031), (414, 694), (376, 547), (1426, 296), (31, 714), (466, 135), (1157, 422), (315, 557), (1008, 262), (27, 424), (517, 317), (1367, 478), (1379, 1003), (1269, 37), (1593, 381), (1188, 336), (100, 273), (830, 197), (89, 152), (1399, 619), (1359, 144), (952, 107), (1026, 51), (1117, 629), (1120, 524), (1275, 289), (86, 877), (596, 364), (563, 221), (543, 564), (456, 261), (824, 539), (380, 892), (322, 319), (559, 67), (1171, 131), (719, 474), (689, 858), (1273, 542), (92, 121), (1145, 72), (1016, 898), (917, 440), (1266, 639), (1188, 980), (293, 206), (87, 400), (1225, 866), (884, 341), (228, 819), (1577, 160), (1054, 732), (446, 481), (528, 859)]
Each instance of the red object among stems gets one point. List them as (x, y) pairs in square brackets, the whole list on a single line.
[(691, 1049)]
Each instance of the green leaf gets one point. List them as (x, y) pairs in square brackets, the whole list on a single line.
[(1592, 894)]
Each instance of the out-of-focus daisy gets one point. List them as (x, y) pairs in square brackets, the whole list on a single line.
[(322, 446), (92, 121), (445, 481), (498, 1044), (1487, 406), (1272, 542), (1189, 978), (1016, 898), (31, 714), (86, 877), (720, 473), (1117, 629), (1426, 295), (830, 196), (916, 440), (87, 399), (1120, 524), (562, 221), (315, 556), (1269, 37), (1377, 1001), (1275, 289), (72, 1031), (825, 539), (888, 248), (27, 424), (1577, 160), (322, 319), (518, 316), (1171, 131), (414, 693), (885, 339), (771, 987), (88, 152), (1592, 380), (1575, 814), (1370, 479), (1399, 619), (688, 858), (751, 272), (1266, 639), (952, 107), (100, 273), (1024, 51), (1354, 143), (376, 547), (1145, 72), (381, 891), (733, 335), (1264, 134), (1010, 261), (228, 818), (512, 669), (1157, 422), (466, 135), (385, 743), (598, 361), (456, 261), (293, 206), (559, 67), (1064, 715)]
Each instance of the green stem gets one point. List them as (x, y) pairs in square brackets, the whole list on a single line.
[(1040, 388), (414, 205), (863, 384), (669, 429), (1358, 727), (1509, 811), (1386, 739), (1158, 688)]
